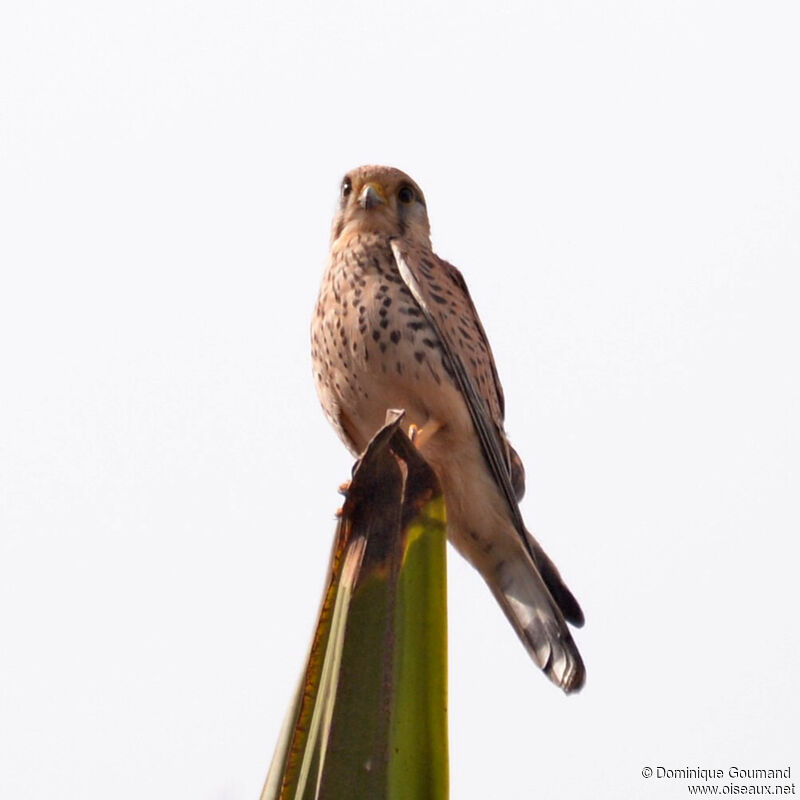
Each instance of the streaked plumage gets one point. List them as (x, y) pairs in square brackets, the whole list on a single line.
[(395, 327)]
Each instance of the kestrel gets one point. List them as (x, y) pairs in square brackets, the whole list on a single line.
[(395, 327)]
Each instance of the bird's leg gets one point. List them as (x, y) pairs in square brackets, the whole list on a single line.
[(420, 436)]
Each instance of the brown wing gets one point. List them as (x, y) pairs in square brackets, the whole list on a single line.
[(444, 299), (489, 387)]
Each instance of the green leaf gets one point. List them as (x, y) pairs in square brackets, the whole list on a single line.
[(369, 719)]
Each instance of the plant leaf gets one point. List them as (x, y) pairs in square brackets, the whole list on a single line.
[(369, 719)]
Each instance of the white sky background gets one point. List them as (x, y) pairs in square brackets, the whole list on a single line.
[(619, 183)]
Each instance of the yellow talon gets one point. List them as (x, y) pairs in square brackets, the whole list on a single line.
[(420, 436)]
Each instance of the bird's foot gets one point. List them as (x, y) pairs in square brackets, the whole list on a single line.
[(421, 436)]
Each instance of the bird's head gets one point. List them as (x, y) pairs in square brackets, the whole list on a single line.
[(381, 200)]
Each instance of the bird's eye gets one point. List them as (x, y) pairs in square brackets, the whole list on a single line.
[(347, 187), (406, 195)]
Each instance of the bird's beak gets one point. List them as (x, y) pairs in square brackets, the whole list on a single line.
[(371, 195)]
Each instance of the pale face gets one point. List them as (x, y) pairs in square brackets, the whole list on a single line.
[(384, 201)]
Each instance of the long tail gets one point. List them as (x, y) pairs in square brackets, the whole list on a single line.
[(523, 579), (536, 605)]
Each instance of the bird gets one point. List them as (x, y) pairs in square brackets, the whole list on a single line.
[(394, 327)]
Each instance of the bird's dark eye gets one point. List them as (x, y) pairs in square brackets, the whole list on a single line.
[(347, 187), (406, 195)]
